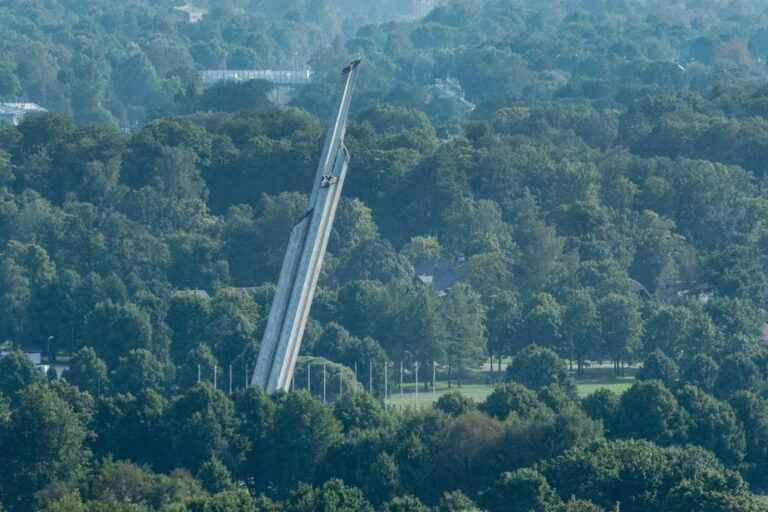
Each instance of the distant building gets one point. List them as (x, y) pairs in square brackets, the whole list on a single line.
[(194, 14), (423, 7), (285, 81), (36, 358), (450, 89), (279, 77), (439, 274), (15, 112)]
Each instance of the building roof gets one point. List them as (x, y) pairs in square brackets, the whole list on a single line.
[(426, 279), (20, 108), (34, 357), (439, 274), (195, 13), (280, 77)]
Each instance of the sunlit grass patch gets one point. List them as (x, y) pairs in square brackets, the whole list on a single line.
[(593, 380)]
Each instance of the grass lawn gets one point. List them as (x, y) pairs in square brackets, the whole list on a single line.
[(594, 379), (603, 378), (477, 392)]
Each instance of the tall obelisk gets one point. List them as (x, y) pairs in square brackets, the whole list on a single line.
[(304, 256)]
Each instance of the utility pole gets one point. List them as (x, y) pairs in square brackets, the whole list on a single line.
[(324, 397), (402, 392), (434, 379), (386, 364), (416, 377)]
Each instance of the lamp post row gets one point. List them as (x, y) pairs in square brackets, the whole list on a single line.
[(371, 386)]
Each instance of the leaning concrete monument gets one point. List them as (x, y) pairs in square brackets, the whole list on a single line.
[(304, 256)]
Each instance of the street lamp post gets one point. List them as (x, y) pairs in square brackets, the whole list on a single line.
[(50, 357)]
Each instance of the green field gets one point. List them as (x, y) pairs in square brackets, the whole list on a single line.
[(594, 379)]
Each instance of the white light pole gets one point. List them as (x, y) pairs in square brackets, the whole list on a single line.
[(386, 364), (402, 392), (434, 379), (416, 377)]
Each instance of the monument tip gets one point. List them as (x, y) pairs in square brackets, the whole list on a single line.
[(352, 65)]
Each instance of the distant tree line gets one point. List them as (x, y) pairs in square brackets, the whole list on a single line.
[(661, 445)]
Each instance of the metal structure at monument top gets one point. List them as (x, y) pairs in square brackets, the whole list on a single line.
[(304, 256)]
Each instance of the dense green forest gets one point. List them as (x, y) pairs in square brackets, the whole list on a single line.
[(124, 62), (588, 187)]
